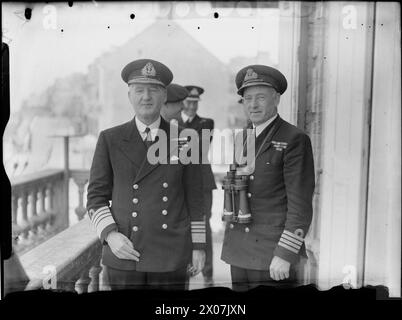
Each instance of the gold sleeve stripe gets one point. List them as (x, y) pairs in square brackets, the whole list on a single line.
[(297, 247), (284, 245), (101, 219), (297, 242), (292, 235)]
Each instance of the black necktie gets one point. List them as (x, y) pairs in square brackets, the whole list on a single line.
[(148, 138)]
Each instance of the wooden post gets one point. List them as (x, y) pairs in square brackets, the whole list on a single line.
[(346, 97), (302, 65), (383, 239), (289, 28)]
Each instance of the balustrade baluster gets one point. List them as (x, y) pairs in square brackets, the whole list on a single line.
[(34, 213), (43, 199), (15, 228), (59, 202), (50, 196), (23, 239), (94, 273), (43, 218), (83, 282), (80, 181), (68, 284), (50, 208), (14, 206), (24, 211)]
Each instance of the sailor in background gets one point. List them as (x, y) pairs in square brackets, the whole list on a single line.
[(280, 190), (190, 119), (148, 216)]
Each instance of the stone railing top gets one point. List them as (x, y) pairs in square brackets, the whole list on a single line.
[(68, 252), (34, 178)]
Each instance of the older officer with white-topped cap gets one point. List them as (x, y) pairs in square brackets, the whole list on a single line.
[(280, 190), (147, 216)]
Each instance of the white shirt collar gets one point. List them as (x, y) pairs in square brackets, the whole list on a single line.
[(260, 128), (154, 126), (186, 117)]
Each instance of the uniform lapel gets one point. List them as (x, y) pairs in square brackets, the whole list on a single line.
[(181, 122), (194, 123), (146, 167), (132, 144), (177, 117), (267, 143)]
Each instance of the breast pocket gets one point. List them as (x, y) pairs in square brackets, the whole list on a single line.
[(274, 157), (269, 163)]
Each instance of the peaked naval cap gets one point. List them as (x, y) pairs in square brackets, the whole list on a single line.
[(147, 71), (260, 75), (194, 92), (176, 93)]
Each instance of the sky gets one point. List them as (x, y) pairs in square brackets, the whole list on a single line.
[(59, 40)]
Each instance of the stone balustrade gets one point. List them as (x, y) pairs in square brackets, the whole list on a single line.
[(40, 207), (37, 208), (69, 261)]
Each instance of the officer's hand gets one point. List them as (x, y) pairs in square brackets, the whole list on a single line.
[(121, 246), (198, 262), (279, 269)]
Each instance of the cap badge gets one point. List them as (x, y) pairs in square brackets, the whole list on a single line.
[(148, 70), (194, 92), (250, 74)]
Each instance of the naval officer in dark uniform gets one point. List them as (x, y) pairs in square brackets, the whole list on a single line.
[(190, 119), (148, 216), (280, 190), (171, 110)]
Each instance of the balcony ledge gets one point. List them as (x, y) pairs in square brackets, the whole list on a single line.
[(68, 252)]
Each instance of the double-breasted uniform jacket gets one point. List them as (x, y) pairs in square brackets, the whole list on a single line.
[(198, 123), (280, 195), (157, 206)]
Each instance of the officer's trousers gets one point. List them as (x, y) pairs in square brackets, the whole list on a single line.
[(207, 272), (131, 279), (246, 279)]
